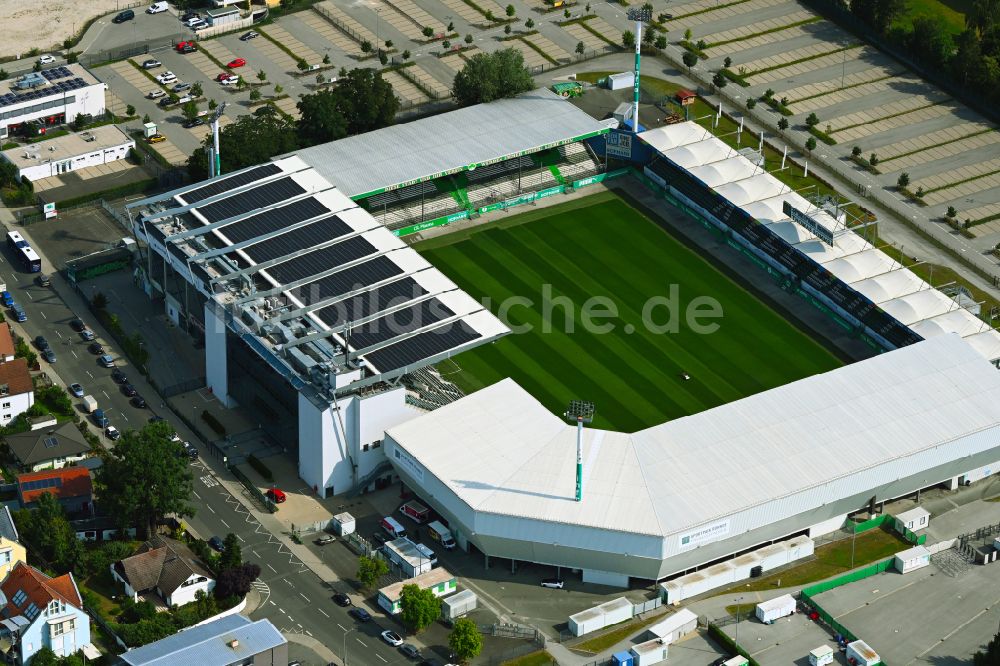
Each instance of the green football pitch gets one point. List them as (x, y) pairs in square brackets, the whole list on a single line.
[(600, 246)]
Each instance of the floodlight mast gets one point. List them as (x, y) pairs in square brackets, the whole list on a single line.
[(640, 15), (579, 412), (215, 168)]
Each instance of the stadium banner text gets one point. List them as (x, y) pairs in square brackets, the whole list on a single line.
[(447, 219), (598, 178)]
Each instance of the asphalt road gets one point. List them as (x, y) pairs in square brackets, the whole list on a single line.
[(294, 598)]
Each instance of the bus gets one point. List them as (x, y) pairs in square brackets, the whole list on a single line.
[(29, 258)]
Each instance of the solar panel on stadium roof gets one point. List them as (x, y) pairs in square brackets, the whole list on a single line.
[(370, 302), (406, 320), (220, 185), (252, 199), (422, 346), (274, 219), (317, 261), (356, 277), (302, 238)]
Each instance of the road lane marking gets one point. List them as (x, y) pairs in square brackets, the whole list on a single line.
[(324, 613), (305, 597), (210, 508), (360, 641), (89, 374), (342, 627), (224, 523), (42, 313), (381, 657), (281, 610), (271, 568), (195, 493)]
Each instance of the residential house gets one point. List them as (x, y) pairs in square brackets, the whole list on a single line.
[(41, 612), (98, 528), (72, 486), (229, 641), (167, 567), (11, 550), (6, 344), (49, 447), (17, 393)]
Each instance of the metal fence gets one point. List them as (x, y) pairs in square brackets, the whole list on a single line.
[(648, 605), (252, 490), (183, 387), (133, 49)]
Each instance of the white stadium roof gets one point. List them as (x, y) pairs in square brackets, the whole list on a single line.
[(851, 258), (501, 452)]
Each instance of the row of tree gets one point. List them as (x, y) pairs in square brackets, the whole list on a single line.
[(970, 58), (361, 102)]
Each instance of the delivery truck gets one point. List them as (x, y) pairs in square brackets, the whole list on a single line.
[(416, 512), (89, 404), (441, 534)]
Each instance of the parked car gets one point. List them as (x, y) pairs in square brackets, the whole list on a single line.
[(180, 87), (157, 138), (166, 77), (126, 15), (46, 59), (18, 312), (49, 355), (157, 7), (325, 541), (275, 495), (100, 418), (95, 348), (156, 419), (238, 62), (230, 80), (155, 94), (341, 599), (118, 376), (129, 390), (106, 360), (151, 64), (192, 21), (217, 544), (6, 298), (554, 583), (360, 614), (187, 16), (185, 99), (138, 401), (392, 638), (41, 343), (189, 47), (200, 25), (410, 650), (76, 324), (247, 36), (44, 280), (76, 390), (378, 538), (112, 433), (87, 334), (193, 122), (190, 450)]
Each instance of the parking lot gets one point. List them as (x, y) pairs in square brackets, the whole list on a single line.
[(787, 641)]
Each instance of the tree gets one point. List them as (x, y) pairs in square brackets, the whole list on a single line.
[(418, 607), (465, 640), (811, 144), (580, 48), (262, 76), (510, 11), (769, 93), (427, 32), (856, 151), (628, 39), (661, 42), (528, 23), (326, 58), (719, 80), (782, 124), (388, 43), (236, 582), (952, 212), (991, 657), (468, 39), (255, 95), (46, 529), (301, 64), (278, 89), (143, 478), (189, 110), (490, 76), (129, 110), (406, 54), (903, 181), (649, 36), (489, 16), (197, 90), (45, 657), (319, 79), (687, 35), (370, 569), (383, 57), (506, 29), (873, 160), (727, 63), (232, 556), (812, 120), (751, 102), (146, 118), (366, 46), (690, 59), (451, 27)]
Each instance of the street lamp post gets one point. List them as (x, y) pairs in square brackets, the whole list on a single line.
[(378, 42), (739, 601), (345, 643)]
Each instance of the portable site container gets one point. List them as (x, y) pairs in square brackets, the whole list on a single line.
[(915, 519), (744, 564), (622, 112), (821, 656), (439, 581), (862, 654), (915, 558), (586, 621), (799, 547), (622, 659), (616, 610), (621, 81), (738, 660), (773, 609), (343, 524), (675, 626), (459, 604), (410, 559), (719, 575), (773, 556), (649, 653)]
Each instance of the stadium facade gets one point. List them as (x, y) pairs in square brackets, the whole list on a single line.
[(315, 315), (795, 460)]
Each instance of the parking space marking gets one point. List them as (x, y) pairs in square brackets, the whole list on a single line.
[(381, 657), (270, 49), (305, 597), (324, 613), (270, 567), (209, 506), (406, 91), (342, 627), (345, 22), (292, 43), (360, 641), (325, 29), (223, 521)]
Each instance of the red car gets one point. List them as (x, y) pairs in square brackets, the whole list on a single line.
[(223, 76), (275, 495), (239, 62), (186, 47)]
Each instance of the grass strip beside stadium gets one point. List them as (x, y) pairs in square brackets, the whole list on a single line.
[(602, 247)]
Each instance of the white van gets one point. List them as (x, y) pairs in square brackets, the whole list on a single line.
[(89, 403), (441, 534), (393, 528), (156, 8)]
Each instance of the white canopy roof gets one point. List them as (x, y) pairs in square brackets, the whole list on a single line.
[(725, 171), (501, 452), (700, 152), (754, 188), (670, 136)]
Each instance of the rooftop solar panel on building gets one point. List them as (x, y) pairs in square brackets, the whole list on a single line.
[(314, 262), (356, 277), (422, 346), (272, 220), (406, 320), (264, 195), (302, 238), (370, 302), (220, 185)]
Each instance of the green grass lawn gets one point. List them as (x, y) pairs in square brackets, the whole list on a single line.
[(540, 658), (950, 13), (616, 635), (600, 246), (832, 559)]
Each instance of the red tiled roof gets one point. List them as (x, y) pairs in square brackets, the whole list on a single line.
[(16, 376), (6, 342), (74, 482), (39, 589)]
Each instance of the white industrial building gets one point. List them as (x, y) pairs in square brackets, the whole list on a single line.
[(51, 97), (71, 152), (790, 461)]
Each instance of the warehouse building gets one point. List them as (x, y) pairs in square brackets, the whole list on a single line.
[(794, 460)]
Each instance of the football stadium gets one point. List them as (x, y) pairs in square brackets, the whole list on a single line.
[(374, 354)]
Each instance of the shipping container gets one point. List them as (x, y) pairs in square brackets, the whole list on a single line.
[(773, 609), (586, 621), (622, 659), (914, 520), (675, 626), (416, 512), (459, 604), (915, 558), (649, 653), (621, 81), (343, 524)]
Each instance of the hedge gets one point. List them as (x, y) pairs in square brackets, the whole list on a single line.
[(823, 136), (260, 467), (138, 187)]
